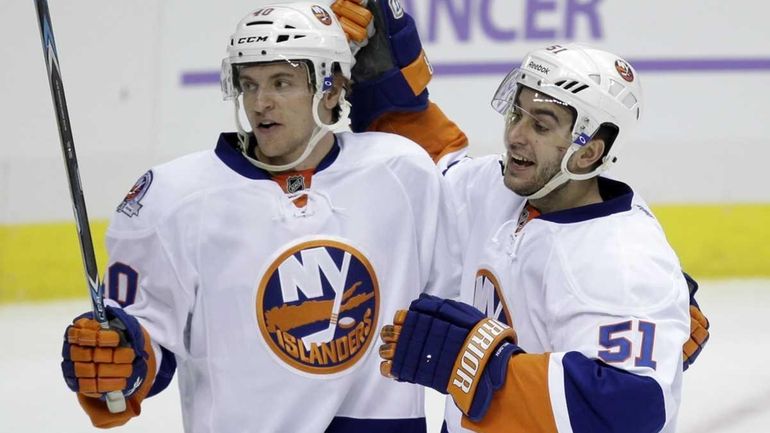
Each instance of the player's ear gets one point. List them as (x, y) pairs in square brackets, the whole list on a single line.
[(332, 97), (588, 156)]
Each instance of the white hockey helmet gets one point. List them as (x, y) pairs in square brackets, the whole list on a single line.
[(287, 32), (602, 88), (291, 32)]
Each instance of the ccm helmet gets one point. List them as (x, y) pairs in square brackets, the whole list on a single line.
[(294, 32), (601, 88)]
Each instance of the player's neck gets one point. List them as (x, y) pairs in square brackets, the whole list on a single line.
[(573, 194), (317, 155), (319, 152)]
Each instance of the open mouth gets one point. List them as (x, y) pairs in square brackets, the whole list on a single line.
[(520, 161), (267, 125)]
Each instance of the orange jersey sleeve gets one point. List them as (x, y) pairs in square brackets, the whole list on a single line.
[(431, 129)]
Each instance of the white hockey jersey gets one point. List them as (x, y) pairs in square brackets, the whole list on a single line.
[(596, 296), (273, 310)]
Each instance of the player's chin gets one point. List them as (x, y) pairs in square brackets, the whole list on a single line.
[(270, 147), (521, 185)]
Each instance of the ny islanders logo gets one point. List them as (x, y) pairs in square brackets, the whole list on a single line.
[(317, 306), (322, 15), (488, 297), (624, 70)]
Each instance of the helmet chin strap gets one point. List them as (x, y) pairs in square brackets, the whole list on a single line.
[(565, 175), (319, 132)]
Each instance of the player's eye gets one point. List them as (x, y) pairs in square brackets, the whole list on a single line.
[(541, 128), (282, 84), (248, 86)]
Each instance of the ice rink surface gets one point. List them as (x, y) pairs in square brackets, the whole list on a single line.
[(727, 390)]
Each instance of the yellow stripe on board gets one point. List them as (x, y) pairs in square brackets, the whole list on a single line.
[(42, 261), (719, 241)]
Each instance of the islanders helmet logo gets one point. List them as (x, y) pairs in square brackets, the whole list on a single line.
[(132, 203), (488, 297), (317, 306), (624, 69), (321, 14)]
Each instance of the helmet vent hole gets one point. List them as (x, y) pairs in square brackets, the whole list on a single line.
[(264, 53), (570, 85), (282, 38), (259, 23), (629, 101), (615, 87), (298, 36), (289, 27), (581, 88)]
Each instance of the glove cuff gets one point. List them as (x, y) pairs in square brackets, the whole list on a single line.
[(493, 379), (479, 347)]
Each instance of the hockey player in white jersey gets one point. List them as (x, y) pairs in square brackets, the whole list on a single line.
[(262, 270), (575, 263), (581, 266)]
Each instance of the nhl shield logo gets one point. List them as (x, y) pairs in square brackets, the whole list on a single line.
[(295, 183), (488, 297), (132, 203), (317, 306)]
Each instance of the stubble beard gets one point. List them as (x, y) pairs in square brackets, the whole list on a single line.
[(542, 176)]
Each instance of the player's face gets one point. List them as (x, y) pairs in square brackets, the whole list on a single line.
[(536, 137), (277, 100)]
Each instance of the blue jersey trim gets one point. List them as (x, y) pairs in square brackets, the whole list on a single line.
[(601, 398), (227, 150), (617, 198), (342, 424)]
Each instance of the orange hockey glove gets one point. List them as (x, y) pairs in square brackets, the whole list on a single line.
[(699, 327), (97, 361), (356, 21)]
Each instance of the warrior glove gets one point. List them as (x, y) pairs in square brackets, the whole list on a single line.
[(450, 347)]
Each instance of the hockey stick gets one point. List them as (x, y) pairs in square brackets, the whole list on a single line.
[(326, 335), (115, 401)]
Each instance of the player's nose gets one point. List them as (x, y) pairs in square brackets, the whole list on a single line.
[(262, 101), (515, 134)]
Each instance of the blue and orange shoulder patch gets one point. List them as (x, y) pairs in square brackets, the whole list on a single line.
[(131, 204)]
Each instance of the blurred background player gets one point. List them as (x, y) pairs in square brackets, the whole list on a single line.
[(262, 269), (544, 179)]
